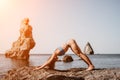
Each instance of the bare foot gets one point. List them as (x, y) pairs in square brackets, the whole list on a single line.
[(91, 67)]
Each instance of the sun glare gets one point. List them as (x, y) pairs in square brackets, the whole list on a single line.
[(3, 3)]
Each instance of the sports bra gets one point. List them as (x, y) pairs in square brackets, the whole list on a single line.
[(62, 52)]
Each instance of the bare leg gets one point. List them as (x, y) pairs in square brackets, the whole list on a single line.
[(75, 48)]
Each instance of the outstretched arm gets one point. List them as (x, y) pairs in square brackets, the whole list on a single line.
[(52, 59)]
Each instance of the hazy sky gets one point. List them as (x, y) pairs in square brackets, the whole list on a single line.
[(56, 21)]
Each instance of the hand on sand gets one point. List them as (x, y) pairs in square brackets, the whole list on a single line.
[(91, 67), (37, 68)]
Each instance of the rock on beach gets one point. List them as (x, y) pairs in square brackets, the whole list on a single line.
[(21, 47)]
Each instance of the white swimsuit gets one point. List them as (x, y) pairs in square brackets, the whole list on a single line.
[(62, 52)]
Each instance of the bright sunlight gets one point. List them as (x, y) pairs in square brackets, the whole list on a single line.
[(3, 3)]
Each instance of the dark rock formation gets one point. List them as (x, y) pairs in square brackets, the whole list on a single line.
[(61, 77), (21, 48), (28, 73), (88, 49), (67, 58)]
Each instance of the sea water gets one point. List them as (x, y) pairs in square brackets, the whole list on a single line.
[(99, 61)]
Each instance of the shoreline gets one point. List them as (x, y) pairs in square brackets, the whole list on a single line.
[(27, 73)]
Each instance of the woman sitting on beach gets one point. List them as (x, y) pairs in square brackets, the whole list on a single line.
[(50, 63)]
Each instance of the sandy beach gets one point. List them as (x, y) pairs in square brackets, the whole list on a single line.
[(28, 73)]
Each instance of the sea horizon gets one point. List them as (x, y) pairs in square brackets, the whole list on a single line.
[(65, 54)]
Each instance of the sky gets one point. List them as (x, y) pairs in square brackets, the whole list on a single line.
[(56, 21)]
